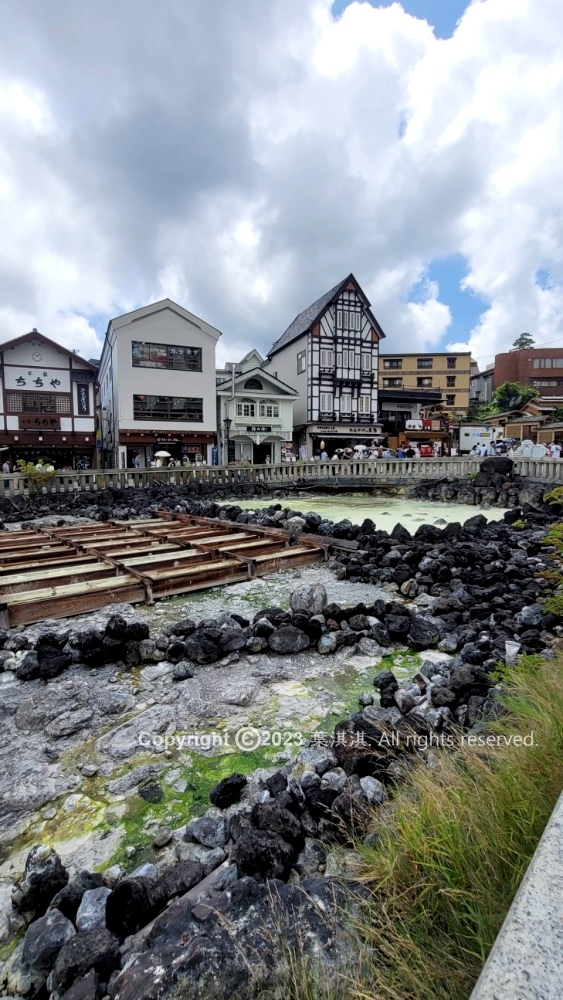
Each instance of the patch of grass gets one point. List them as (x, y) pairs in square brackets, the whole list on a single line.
[(457, 841), (451, 850)]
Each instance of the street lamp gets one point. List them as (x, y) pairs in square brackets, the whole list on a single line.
[(227, 425)]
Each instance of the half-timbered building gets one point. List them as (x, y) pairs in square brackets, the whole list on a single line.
[(47, 398), (330, 355)]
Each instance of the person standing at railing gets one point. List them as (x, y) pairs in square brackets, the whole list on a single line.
[(556, 450), (6, 470)]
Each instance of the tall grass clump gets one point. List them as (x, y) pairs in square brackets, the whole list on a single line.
[(456, 842)]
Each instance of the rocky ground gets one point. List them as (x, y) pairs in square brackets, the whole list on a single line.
[(93, 712)]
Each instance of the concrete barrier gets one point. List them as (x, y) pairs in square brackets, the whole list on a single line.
[(526, 961)]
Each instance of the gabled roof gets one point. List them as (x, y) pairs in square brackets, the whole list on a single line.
[(242, 377), (161, 306), (52, 343), (304, 320)]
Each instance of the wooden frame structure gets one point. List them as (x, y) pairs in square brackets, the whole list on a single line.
[(55, 572)]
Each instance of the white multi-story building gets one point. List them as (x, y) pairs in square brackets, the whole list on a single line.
[(254, 413), (157, 386), (47, 403), (330, 354)]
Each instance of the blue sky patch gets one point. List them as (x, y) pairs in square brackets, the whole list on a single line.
[(441, 14)]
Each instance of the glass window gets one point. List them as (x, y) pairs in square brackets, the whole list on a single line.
[(450, 400), (424, 362), (301, 362), (424, 383), (172, 356), (327, 403), (364, 404), (269, 410), (392, 383), (345, 404), (327, 359), (184, 408), (452, 362), (450, 380), (393, 363), (366, 362)]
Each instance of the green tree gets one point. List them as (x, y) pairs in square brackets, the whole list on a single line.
[(512, 395), (524, 341), (557, 415)]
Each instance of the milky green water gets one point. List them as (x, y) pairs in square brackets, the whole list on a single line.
[(385, 511)]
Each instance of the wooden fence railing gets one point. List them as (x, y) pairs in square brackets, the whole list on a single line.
[(397, 471)]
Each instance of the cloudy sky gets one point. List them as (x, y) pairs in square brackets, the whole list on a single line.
[(243, 157)]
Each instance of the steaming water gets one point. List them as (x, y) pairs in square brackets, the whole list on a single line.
[(385, 512)]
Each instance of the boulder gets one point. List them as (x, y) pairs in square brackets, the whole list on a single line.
[(227, 791), (262, 855), (97, 950), (310, 598), (44, 875), (288, 639), (92, 910), (44, 939)]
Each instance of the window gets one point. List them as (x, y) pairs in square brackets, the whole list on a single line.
[(424, 383), (548, 363), (269, 410), (254, 383), (345, 404), (392, 383), (327, 403), (301, 362), (364, 404), (347, 359), (184, 408), (246, 408), (183, 359), (366, 362), (540, 382), (327, 359), (348, 320), (452, 362), (38, 402), (392, 362), (450, 400), (424, 362), (450, 380)]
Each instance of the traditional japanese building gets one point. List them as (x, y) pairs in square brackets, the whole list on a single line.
[(47, 401), (329, 354)]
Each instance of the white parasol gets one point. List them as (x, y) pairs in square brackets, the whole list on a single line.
[(162, 454)]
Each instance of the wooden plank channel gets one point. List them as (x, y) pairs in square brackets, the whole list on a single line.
[(55, 572)]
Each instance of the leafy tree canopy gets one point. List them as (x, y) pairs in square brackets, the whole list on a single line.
[(524, 341), (512, 395)]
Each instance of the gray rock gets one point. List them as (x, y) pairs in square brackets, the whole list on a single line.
[(44, 939), (144, 871), (209, 830), (366, 698), (404, 700), (162, 836), (183, 671), (92, 910), (369, 647), (112, 875), (224, 878), (69, 723), (256, 644), (310, 598), (327, 644), (336, 779), (319, 758), (44, 875), (374, 790), (288, 639), (312, 859), (208, 858), (530, 615)]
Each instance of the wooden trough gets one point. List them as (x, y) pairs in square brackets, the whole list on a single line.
[(55, 572)]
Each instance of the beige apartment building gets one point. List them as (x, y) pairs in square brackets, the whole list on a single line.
[(445, 371)]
